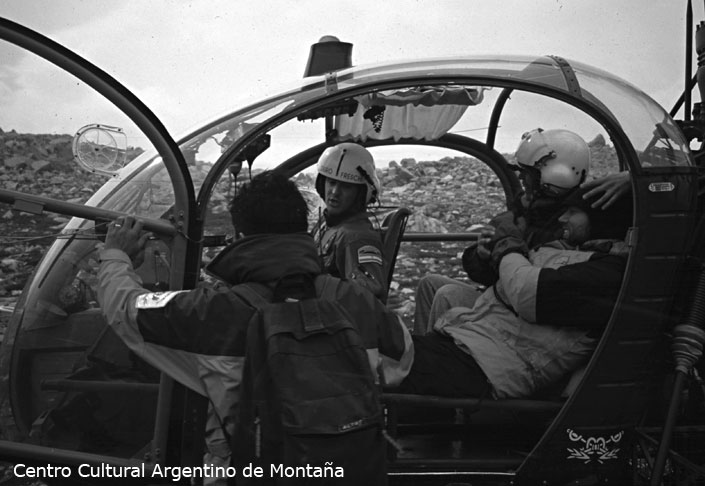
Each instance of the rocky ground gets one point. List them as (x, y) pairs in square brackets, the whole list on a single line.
[(39, 165)]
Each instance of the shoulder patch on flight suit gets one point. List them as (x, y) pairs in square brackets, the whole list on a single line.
[(369, 254), (156, 300)]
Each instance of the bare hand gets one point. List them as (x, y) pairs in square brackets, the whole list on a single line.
[(609, 189), (126, 234)]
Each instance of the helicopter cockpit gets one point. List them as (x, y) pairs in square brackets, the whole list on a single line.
[(443, 133)]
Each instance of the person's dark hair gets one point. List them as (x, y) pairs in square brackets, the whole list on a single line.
[(610, 223), (269, 203)]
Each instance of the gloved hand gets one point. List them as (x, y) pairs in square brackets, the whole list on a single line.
[(508, 224), (477, 265), (508, 237), (482, 247), (507, 245)]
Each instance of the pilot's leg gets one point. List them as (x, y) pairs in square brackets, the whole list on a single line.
[(457, 294), (425, 292), (436, 294)]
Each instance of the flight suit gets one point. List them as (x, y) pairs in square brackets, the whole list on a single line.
[(352, 250)]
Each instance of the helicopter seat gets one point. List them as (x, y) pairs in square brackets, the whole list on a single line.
[(549, 399), (411, 420), (414, 414), (391, 399), (393, 227)]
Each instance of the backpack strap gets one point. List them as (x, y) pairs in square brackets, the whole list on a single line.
[(311, 317), (310, 310), (253, 293)]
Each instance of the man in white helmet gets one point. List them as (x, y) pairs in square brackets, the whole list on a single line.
[(350, 247), (552, 165)]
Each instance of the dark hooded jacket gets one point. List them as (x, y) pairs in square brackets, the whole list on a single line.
[(198, 336)]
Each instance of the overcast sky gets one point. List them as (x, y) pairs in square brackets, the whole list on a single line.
[(189, 60)]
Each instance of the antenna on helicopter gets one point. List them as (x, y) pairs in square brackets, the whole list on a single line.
[(688, 59), (700, 74)]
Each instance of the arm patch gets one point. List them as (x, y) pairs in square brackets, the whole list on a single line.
[(369, 254), (156, 300)]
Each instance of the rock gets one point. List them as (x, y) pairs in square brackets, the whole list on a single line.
[(9, 265), (597, 142), (398, 189), (403, 176), (40, 165), (408, 163), (425, 224), (16, 161)]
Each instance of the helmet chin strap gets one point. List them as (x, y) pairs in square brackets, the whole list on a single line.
[(368, 179)]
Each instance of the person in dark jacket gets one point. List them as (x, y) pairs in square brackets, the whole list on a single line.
[(198, 336)]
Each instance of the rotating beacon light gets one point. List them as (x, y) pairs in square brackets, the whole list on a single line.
[(328, 54)]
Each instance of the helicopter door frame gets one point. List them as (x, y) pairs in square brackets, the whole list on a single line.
[(184, 252)]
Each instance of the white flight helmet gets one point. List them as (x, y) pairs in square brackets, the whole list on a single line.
[(561, 157), (349, 162)]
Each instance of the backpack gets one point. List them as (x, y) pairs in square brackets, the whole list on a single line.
[(309, 398)]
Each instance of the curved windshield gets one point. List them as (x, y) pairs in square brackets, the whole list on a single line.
[(650, 129), (654, 134), (57, 353)]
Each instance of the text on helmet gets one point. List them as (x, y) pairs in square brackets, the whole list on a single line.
[(345, 176)]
